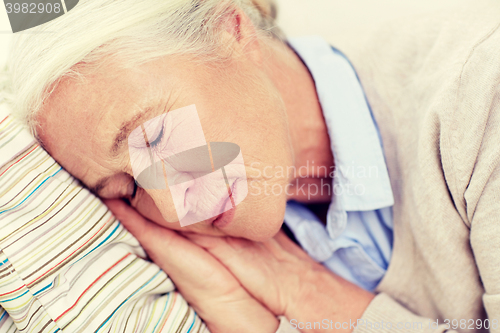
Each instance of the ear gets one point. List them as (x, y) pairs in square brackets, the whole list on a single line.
[(241, 36)]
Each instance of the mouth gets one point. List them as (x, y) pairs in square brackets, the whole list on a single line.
[(224, 219), (221, 220)]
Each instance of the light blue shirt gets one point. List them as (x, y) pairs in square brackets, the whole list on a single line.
[(356, 242)]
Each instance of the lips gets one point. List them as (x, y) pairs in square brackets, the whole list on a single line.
[(224, 219)]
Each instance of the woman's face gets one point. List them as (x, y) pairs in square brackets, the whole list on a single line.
[(86, 125)]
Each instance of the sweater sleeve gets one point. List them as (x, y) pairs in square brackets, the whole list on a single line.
[(467, 110), (485, 228), (483, 209), (472, 166), (470, 152), (386, 315), (476, 132)]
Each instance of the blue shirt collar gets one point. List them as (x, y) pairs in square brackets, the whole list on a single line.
[(361, 181)]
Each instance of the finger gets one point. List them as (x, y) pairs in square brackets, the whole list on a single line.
[(224, 248), (280, 247), (250, 262), (218, 243), (186, 263), (201, 279), (265, 269)]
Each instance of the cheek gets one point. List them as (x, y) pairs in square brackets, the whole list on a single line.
[(270, 179), (261, 214), (146, 206), (259, 218)]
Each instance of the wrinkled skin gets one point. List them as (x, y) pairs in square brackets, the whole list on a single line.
[(262, 98)]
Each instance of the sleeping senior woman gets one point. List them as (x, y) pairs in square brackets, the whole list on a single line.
[(410, 173)]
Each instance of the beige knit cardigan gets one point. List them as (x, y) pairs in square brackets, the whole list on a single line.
[(433, 85)]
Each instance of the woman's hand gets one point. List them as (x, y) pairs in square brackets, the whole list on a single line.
[(203, 281), (285, 279)]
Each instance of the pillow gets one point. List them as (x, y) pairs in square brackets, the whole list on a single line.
[(66, 264)]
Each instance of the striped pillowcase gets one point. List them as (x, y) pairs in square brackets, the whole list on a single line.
[(66, 264)]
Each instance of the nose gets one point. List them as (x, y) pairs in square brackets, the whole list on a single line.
[(179, 192), (171, 200)]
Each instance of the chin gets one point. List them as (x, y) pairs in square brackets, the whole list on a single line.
[(264, 235), (258, 227)]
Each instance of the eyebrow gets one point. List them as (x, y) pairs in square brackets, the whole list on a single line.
[(126, 128)]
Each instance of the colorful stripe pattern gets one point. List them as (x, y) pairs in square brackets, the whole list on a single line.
[(66, 264)]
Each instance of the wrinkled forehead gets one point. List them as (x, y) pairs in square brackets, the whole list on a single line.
[(88, 107)]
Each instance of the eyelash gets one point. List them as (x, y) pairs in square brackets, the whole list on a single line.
[(135, 190), (158, 139), (154, 146)]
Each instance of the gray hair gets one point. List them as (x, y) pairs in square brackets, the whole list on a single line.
[(137, 31)]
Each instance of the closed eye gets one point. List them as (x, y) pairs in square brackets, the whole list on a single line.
[(158, 139)]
